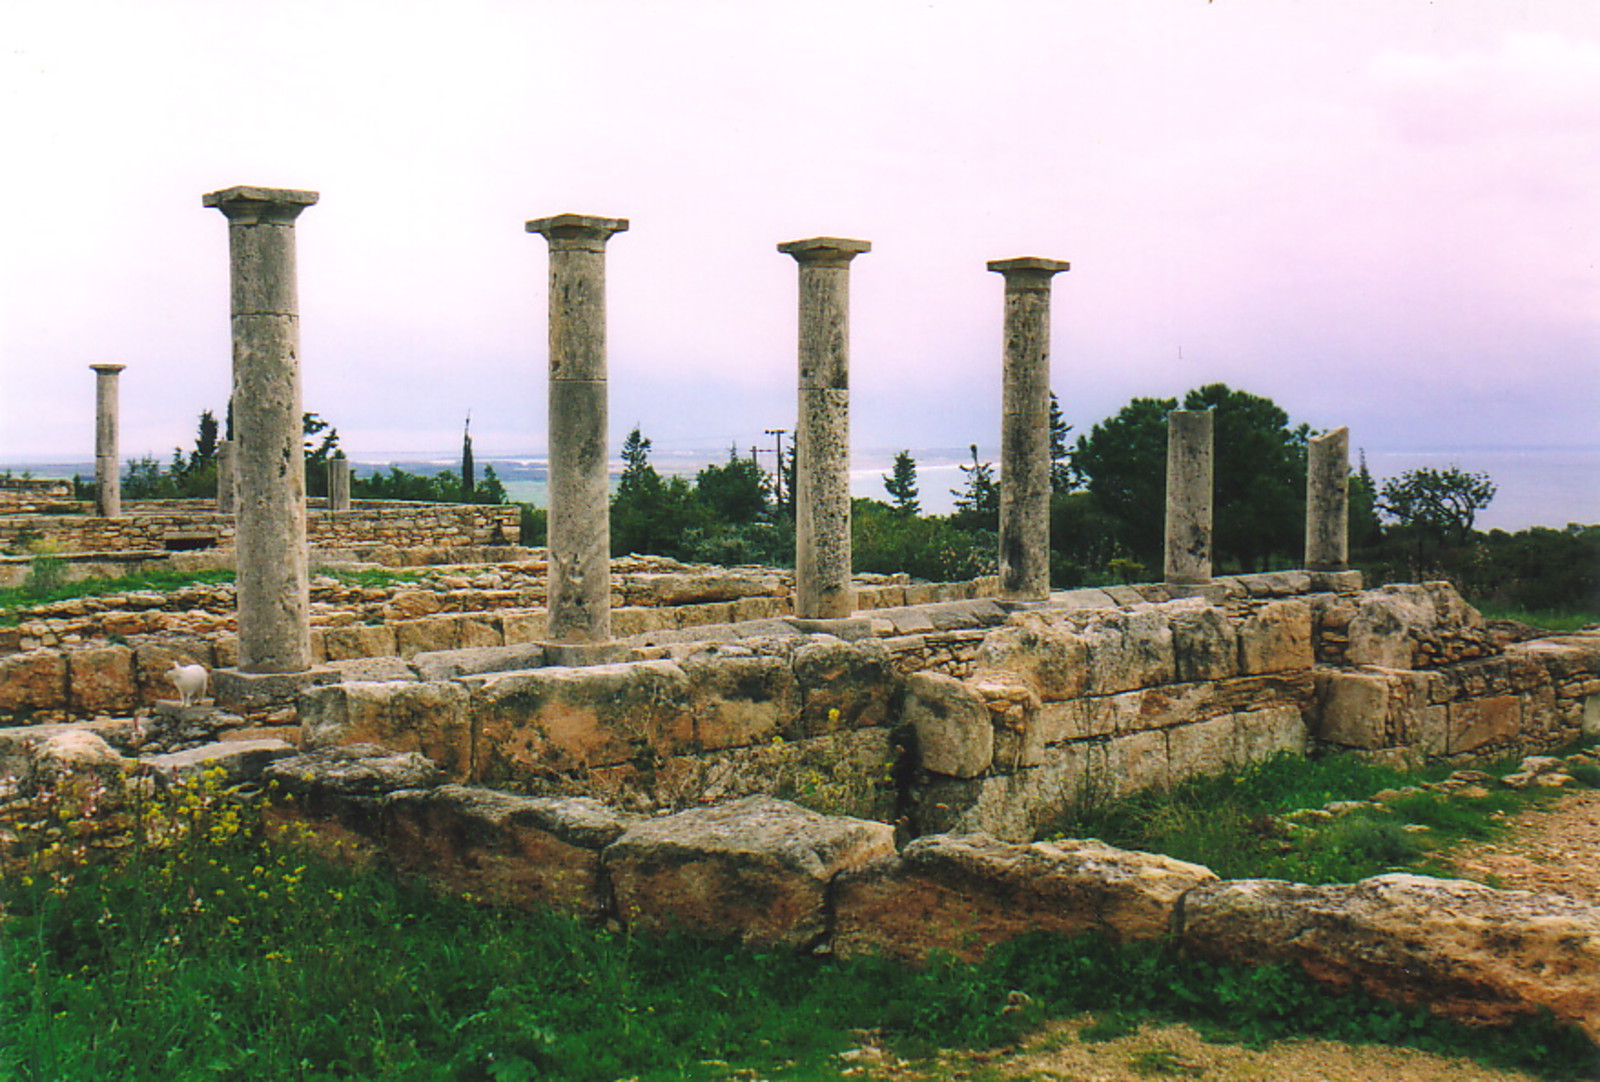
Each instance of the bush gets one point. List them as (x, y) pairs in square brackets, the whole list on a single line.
[(885, 541)]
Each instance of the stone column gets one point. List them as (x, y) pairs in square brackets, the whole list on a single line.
[(822, 440), (1189, 497), (1328, 501), (269, 457), (225, 483), (107, 465), (580, 491), (338, 483), (1025, 428)]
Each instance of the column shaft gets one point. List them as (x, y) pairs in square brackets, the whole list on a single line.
[(822, 566), (579, 525), (1025, 428), (1328, 501), (269, 458), (107, 463), (226, 501), (1190, 487), (338, 483)]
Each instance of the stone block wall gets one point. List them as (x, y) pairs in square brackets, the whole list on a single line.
[(799, 715), (176, 525), (1075, 705)]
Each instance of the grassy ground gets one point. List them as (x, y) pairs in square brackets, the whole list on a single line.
[(1241, 825), (1558, 620), (209, 951)]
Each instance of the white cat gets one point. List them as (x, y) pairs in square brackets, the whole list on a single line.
[(190, 680)]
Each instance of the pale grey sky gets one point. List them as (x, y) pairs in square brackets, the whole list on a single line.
[(1380, 213)]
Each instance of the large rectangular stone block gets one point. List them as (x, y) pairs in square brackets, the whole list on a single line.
[(1129, 650), (1378, 708), (1276, 637), (1205, 645), (1042, 648), (33, 681), (844, 685), (526, 852), (963, 894), (344, 643), (740, 699), (756, 870), (561, 719), (1475, 723), (426, 717), (100, 680)]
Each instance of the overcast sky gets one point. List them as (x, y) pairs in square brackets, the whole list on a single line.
[(1379, 213)]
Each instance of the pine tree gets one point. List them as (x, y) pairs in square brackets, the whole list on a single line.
[(1062, 476), (901, 484), (982, 495)]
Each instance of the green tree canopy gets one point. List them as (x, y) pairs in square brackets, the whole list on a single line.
[(1443, 504), (735, 491), (1259, 462), (901, 484)]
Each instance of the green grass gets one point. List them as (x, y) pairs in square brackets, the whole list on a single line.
[(218, 955), (46, 583), (1558, 620), (1233, 823)]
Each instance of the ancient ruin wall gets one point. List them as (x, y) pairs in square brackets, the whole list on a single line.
[(180, 525)]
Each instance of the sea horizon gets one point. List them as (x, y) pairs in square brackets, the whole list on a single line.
[(1550, 486)]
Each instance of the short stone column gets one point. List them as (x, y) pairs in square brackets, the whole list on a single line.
[(338, 483), (1328, 501), (1025, 428), (107, 465), (579, 592), (225, 482), (269, 457), (822, 563), (1190, 488)]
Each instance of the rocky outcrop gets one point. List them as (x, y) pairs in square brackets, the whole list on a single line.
[(756, 870), (964, 893), (1455, 947)]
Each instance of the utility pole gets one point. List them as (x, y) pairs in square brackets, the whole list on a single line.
[(778, 473)]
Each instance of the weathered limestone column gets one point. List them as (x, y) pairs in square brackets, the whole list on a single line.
[(1025, 428), (822, 563), (226, 501), (269, 458), (580, 495), (1328, 501), (1190, 487), (338, 483), (107, 466)]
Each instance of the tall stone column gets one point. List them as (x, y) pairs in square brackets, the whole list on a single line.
[(1025, 428), (269, 458), (226, 501), (822, 563), (1190, 488), (1328, 501), (579, 593), (107, 465), (338, 483)]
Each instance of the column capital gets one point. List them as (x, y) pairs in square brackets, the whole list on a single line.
[(1029, 271), (108, 369), (825, 251), (577, 232), (252, 206)]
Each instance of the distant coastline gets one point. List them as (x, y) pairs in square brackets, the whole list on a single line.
[(1535, 486)]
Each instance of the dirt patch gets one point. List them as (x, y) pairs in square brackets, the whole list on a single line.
[(1057, 1053), (1553, 848)]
